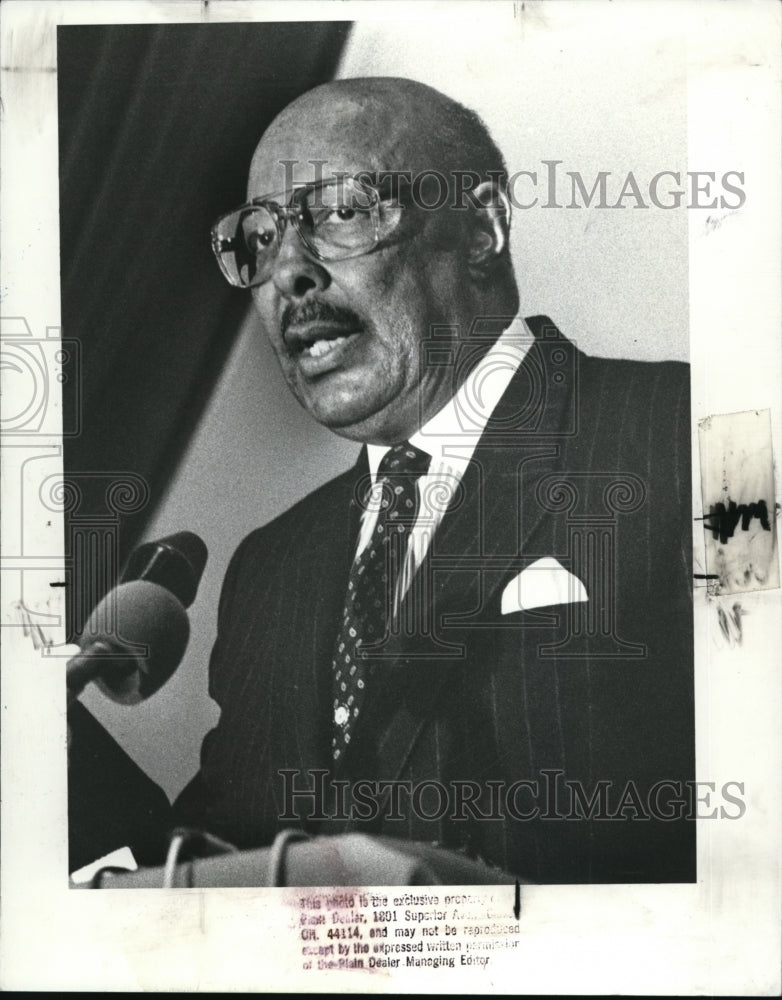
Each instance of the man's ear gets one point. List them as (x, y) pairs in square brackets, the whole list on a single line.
[(489, 223)]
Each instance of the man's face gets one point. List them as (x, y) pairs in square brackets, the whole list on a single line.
[(348, 333)]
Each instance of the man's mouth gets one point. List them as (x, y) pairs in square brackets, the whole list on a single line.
[(317, 339), (316, 333)]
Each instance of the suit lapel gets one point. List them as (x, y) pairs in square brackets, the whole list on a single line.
[(299, 733), (333, 546)]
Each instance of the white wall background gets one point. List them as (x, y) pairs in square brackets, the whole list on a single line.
[(598, 86)]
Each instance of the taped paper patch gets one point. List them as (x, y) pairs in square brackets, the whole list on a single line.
[(737, 488)]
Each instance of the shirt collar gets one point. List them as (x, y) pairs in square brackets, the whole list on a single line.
[(450, 436)]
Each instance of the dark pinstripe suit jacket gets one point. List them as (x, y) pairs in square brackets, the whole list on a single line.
[(588, 705)]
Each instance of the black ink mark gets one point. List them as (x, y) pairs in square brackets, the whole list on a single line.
[(517, 901), (725, 519), (715, 221), (28, 69), (730, 623), (58, 583), (705, 576)]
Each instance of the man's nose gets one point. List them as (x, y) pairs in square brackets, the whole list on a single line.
[(295, 272)]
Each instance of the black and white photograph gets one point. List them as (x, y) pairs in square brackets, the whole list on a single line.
[(390, 562)]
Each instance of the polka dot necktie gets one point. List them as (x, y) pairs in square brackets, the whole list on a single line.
[(371, 586)]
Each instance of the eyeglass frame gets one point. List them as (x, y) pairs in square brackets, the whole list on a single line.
[(282, 213)]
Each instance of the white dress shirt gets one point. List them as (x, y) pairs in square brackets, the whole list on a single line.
[(450, 437)]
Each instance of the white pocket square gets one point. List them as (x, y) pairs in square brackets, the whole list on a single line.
[(542, 583)]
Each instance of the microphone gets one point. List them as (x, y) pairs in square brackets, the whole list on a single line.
[(176, 562), (136, 636)]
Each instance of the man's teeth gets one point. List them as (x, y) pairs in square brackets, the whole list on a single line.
[(321, 347)]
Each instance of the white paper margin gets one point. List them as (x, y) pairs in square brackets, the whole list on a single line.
[(718, 937)]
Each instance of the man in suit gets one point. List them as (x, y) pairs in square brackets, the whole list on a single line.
[(479, 636)]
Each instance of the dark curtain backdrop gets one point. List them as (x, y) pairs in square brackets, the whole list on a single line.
[(157, 124)]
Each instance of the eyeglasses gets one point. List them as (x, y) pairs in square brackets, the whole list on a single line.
[(335, 220)]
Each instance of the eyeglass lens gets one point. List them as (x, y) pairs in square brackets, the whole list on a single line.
[(334, 220)]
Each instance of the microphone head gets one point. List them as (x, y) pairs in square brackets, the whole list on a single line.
[(147, 629), (175, 562)]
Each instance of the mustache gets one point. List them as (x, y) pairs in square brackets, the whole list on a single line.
[(307, 312)]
